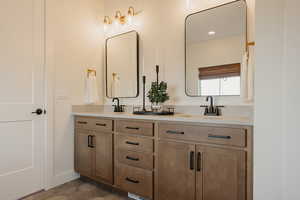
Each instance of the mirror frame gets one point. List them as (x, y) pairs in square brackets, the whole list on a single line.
[(185, 39), (137, 57)]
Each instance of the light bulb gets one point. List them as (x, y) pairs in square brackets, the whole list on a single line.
[(130, 20), (211, 33), (116, 24)]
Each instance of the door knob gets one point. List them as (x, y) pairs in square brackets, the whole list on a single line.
[(38, 111)]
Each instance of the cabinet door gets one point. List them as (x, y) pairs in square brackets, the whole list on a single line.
[(84, 153), (176, 171), (221, 174), (103, 143)]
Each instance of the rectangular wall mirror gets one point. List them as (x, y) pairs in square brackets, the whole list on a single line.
[(215, 43), (122, 66)]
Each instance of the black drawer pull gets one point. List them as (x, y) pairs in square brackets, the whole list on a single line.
[(219, 136), (132, 128), (98, 124), (131, 158), (80, 122), (175, 132), (192, 157), (132, 143), (132, 181)]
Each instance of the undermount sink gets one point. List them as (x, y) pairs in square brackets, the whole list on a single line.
[(201, 116)]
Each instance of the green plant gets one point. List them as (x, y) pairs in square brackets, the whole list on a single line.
[(158, 92)]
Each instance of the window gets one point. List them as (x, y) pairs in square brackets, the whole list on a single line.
[(220, 86), (220, 80)]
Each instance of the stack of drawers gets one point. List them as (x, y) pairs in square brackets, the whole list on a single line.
[(134, 157)]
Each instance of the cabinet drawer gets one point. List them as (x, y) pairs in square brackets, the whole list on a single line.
[(101, 124), (135, 180), (137, 128), (134, 143), (83, 122), (136, 159), (215, 135)]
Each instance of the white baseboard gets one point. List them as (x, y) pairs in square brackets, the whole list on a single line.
[(62, 178)]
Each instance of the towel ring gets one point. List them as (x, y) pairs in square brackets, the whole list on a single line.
[(91, 71)]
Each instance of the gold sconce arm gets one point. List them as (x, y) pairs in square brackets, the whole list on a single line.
[(107, 20), (131, 11), (91, 71), (118, 14)]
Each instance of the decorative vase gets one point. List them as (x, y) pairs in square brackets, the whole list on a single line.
[(156, 107)]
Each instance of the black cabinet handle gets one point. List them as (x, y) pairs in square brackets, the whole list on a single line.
[(175, 132), (81, 122), (219, 136), (132, 128), (131, 158), (132, 143), (132, 181), (90, 141), (199, 159), (192, 163), (98, 124)]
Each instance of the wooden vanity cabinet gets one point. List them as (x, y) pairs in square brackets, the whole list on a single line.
[(213, 173), (134, 158), (194, 171), (83, 153), (103, 158), (176, 171), (94, 149), (220, 173), (166, 160)]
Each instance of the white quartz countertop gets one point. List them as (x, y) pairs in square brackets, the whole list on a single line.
[(230, 120)]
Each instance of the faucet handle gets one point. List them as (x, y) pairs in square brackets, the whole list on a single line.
[(219, 111), (204, 106), (122, 108)]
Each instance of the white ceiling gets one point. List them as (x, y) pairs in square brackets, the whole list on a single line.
[(227, 20)]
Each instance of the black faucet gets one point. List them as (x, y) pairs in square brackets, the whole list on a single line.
[(212, 110), (118, 107)]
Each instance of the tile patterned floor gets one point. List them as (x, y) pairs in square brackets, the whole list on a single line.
[(79, 190)]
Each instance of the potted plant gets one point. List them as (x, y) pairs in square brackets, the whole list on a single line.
[(158, 95)]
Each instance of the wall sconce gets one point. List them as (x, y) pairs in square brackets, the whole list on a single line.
[(120, 19), (131, 14), (107, 21)]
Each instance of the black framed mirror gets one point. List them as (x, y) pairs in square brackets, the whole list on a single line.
[(122, 65), (215, 46)]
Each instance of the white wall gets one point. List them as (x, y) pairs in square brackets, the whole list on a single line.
[(161, 29), (74, 43), (277, 100), (268, 148), (291, 102)]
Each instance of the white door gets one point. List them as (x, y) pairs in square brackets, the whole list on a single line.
[(21, 93)]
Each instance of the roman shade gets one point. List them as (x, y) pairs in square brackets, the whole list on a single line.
[(220, 71)]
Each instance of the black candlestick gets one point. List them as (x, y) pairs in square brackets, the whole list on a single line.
[(144, 94), (157, 74)]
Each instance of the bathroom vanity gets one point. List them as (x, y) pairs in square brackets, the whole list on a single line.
[(180, 157), (162, 158)]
